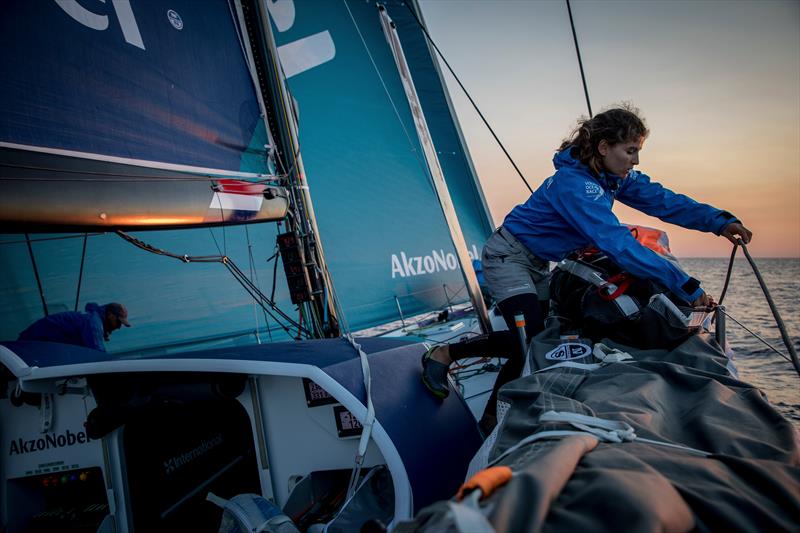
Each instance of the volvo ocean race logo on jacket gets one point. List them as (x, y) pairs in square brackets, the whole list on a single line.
[(405, 265), (593, 190), (20, 446)]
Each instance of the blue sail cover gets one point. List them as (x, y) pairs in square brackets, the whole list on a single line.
[(381, 225)]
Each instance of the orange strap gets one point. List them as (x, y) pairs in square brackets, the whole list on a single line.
[(624, 282), (487, 480)]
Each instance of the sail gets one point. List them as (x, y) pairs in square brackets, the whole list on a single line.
[(385, 237), (111, 106), (140, 114), (101, 107)]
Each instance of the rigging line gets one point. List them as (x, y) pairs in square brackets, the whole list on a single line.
[(244, 280), (258, 296), (787, 341), (727, 279), (254, 275), (80, 272), (469, 97), (214, 238), (222, 221), (36, 274), (274, 270), (284, 327), (410, 140), (757, 336), (728, 274), (53, 238), (229, 264), (580, 63)]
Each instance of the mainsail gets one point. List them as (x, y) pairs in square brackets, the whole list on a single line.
[(135, 115)]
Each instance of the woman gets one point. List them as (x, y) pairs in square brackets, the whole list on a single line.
[(571, 211)]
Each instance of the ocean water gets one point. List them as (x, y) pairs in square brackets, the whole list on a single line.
[(758, 364)]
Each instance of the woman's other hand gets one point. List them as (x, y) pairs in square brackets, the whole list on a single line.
[(734, 231), (704, 301)]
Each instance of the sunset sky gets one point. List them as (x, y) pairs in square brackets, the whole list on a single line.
[(718, 83)]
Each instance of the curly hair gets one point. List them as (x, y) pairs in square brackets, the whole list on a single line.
[(616, 125)]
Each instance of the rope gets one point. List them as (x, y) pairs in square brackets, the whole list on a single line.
[(580, 63), (728, 274), (778, 320), (36, 274), (51, 238), (80, 273), (266, 304), (469, 97), (756, 335), (252, 266)]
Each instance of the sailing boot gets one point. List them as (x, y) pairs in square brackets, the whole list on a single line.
[(434, 374)]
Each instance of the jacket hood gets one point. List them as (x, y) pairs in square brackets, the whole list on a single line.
[(564, 158), (92, 307)]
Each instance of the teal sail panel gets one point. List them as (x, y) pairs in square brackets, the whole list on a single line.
[(385, 238)]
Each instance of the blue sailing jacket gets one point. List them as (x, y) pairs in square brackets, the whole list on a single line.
[(571, 210), (70, 327)]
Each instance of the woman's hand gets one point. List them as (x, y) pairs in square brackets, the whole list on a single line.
[(704, 301), (734, 231)]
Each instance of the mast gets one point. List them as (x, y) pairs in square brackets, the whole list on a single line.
[(435, 169), (311, 286)]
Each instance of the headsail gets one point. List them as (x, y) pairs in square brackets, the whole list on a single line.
[(385, 237)]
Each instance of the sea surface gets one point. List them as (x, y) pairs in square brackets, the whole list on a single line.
[(745, 301)]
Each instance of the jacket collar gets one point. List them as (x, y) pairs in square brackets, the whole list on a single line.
[(565, 159)]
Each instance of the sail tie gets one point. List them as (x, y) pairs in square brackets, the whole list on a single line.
[(611, 431)]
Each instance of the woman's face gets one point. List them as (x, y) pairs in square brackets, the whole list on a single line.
[(620, 158)]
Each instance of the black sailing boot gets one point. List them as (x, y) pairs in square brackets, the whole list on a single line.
[(434, 374)]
